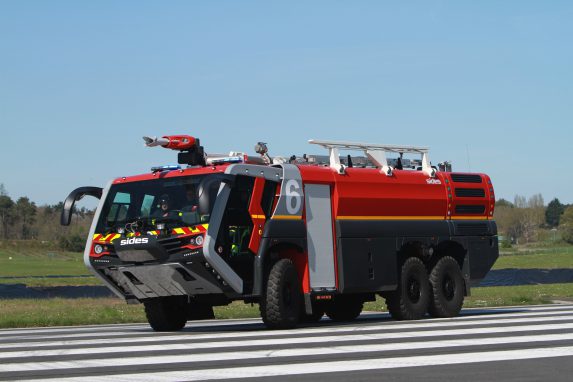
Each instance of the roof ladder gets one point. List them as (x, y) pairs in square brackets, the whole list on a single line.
[(376, 153)]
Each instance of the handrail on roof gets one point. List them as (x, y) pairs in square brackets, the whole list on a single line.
[(375, 152)]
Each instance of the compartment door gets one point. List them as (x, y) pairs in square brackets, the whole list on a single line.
[(319, 236)]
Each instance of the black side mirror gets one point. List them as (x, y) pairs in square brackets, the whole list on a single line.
[(73, 197)]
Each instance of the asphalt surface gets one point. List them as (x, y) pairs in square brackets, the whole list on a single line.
[(510, 344)]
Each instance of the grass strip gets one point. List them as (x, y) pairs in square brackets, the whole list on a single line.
[(53, 282), (562, 258), (26, 265)]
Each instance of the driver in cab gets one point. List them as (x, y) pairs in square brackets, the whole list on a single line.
[(164, 208)]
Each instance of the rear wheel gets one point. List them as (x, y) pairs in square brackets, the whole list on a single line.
[(410, 301), (447, 288), (166, 314), (344, 308), (281, 305)]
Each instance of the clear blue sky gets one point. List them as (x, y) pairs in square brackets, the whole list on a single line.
[(81, 82)]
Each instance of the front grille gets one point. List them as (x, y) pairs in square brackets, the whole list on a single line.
[(171, 244), (470, 192), (470, 209), (466, 178)]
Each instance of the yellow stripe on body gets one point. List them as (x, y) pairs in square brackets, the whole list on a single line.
[(105, 239), (286, 217), (470, 217), (391, 218)]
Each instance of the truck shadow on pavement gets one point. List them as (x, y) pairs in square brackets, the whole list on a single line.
[(366, 319)]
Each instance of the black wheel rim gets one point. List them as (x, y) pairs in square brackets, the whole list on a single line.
[(413, 290), (448, 287)]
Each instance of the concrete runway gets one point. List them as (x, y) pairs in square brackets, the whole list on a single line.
[(529, 343)]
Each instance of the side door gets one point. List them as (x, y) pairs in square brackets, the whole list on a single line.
[(320, 242)]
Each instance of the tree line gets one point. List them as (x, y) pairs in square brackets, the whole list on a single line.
[(521, 221), (22, 219), (529, 220)]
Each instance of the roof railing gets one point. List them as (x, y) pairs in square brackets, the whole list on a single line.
[(376, 153)]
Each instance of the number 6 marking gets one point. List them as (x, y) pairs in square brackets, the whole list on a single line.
[(293, 197)]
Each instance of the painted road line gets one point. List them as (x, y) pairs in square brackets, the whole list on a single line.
[(238, 339), (275, 353), (8, 342), (333, 367), (271, 342)]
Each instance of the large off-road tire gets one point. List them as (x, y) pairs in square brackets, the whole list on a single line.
[(344, 308), (412, 298), (282, 302), (448, 287), (166, 314)]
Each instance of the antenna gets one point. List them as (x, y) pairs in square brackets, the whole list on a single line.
[(468, 157)]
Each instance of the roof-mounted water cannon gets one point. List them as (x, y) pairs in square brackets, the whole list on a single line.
[(191, 151)]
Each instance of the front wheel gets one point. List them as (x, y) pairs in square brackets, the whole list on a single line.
[(281, 304), (166, 314), (447, 288), (410, 301)]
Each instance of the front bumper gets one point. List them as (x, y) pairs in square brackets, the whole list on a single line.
[(168, 279)]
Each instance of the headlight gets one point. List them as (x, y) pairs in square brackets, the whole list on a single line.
[(98, 249), (199, 240)]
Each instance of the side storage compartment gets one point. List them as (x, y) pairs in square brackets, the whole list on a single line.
[(367, 265)]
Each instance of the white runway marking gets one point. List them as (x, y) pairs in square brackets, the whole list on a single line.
[(211, 355), (286, 341), (332, 367), (167, 359), (16, 342)]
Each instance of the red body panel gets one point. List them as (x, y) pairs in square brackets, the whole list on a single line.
[(364, 192), (173, 173), (257, 215), (301, 264)]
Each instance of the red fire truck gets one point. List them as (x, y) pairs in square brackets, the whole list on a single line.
[(300, 236)]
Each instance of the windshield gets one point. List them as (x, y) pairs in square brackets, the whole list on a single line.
[(173, 201)]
